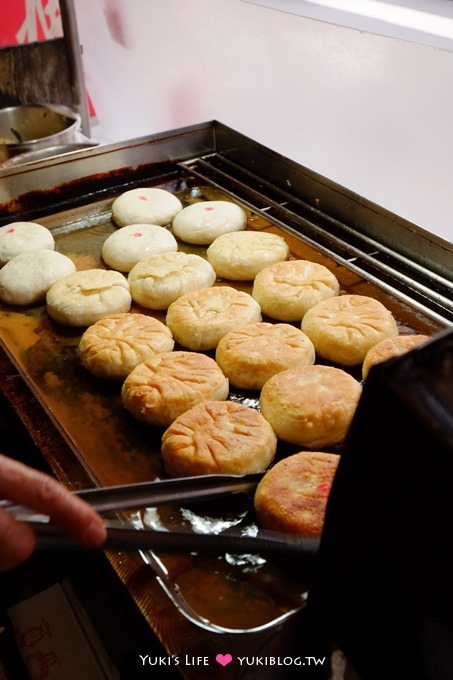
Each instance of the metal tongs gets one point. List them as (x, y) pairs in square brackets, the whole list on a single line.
[(122, 535)]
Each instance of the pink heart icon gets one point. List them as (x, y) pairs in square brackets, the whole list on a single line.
[(224, 659)]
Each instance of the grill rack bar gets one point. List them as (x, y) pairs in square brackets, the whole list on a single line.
[(423, 289)]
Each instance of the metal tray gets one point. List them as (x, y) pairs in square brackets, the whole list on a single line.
[(213, 592), (227, 593)]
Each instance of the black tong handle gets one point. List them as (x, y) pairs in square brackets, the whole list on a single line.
[(50, 537)]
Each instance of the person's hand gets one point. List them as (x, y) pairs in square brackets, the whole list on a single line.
[(38, 491)]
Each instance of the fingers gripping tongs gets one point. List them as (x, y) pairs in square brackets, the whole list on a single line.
[(122, 535)]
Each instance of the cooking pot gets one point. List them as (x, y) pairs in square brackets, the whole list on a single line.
[(31, 127)]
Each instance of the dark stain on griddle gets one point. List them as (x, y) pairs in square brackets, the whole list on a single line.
[(35, 204)]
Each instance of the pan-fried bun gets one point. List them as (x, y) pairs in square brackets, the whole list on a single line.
[(200, 319), (125, 247), (202, 222), (252, 354), (240, 255), (86, 296), (218, 437), (292, 496), (145, 206), (157, 281), (160, 389), (26, 278), (17, 237), (310, 406), (345, 327), (286, 290), (391, 347), (113, 346)]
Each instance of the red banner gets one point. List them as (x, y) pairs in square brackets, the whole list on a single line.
[(25, 21)]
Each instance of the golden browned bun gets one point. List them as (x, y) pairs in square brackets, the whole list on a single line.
[(310, 406), (391, 347), (218, 437), (292, 495), (157, 281), (113, 346), (145, 206), (84, 297), (252, 354), (202, 222), (200, 319), (345, 327), (240, 255), (161, 388), (286, 290)]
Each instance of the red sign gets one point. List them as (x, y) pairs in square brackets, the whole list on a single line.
[(25, 21)]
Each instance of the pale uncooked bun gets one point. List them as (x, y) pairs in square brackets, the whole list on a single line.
[(200, 223), (221, 437), (113, 346), (292, 496), (345, 327), (286, 290), (26, 278), (145, 206), (200, 319), (391, 347), (250, 355), (17, 237), (240, 255), (155, 282), (125, 247), (163, 387), (84, 297), (310, 406)]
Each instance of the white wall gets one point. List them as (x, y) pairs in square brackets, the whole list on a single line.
[(374, 114)]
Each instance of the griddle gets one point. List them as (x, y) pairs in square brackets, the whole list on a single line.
[(371, 250)]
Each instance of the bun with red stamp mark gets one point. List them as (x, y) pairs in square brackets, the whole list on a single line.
[(145, 206), (292, 495), (202, 222), (18, 237), (125, 247)]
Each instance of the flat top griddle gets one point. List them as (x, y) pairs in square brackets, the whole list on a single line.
[(84, 433)]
